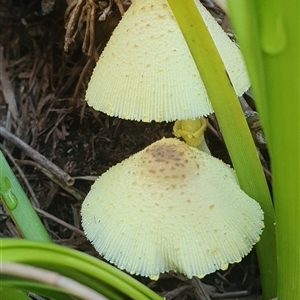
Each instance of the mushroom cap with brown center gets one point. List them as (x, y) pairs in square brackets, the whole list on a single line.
[(171, 207)]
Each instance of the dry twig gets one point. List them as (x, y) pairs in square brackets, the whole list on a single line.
[(7, 89), (72, 191), (176, 292), (80, 12), (41, 159), (59, 221), (89, 37), (201, 292), (73, 19)]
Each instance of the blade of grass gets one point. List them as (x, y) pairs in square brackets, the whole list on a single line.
[(7, 292), (51, 291), (40, 289), (276, 91), (51, 280), (70, 263), (18, 205), (234, 129)]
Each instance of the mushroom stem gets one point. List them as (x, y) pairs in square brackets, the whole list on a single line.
[(192, 131)]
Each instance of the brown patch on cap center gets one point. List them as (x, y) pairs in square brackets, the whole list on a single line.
[(166, 152), (170, 160)]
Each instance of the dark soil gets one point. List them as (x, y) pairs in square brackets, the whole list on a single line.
[(48, 85)]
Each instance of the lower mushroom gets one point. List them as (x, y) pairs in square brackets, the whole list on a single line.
[(171, 207)]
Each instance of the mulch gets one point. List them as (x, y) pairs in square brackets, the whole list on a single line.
[(48, 50)]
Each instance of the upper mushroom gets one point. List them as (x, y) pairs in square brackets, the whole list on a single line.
[(171, 207), (146, 72)]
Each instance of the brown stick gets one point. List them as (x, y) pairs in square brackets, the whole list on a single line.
[(59, 221), (71, 26), (35, 155), (7, 88), (71, 190)]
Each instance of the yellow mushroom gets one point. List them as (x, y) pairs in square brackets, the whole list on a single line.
[(146, 72), (171, 207)]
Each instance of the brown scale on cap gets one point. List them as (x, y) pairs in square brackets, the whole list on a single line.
[(168, 162)]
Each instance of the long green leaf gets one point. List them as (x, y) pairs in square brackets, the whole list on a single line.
[(268, 32), (43, 290), (234, 129), (70, 263), (19, 206), (7, 292)]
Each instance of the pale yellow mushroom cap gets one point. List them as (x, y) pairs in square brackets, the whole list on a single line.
[(229, 52), (146, 72), (171, 207)]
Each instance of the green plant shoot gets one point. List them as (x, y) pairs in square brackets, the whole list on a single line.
[(18, 205), (234, 129), (268, 32), (88, 270)]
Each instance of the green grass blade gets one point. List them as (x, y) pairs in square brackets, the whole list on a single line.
[(18, 205), (275, 39), (234, 129), (20, 285), (70, 263), (7, 292)]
